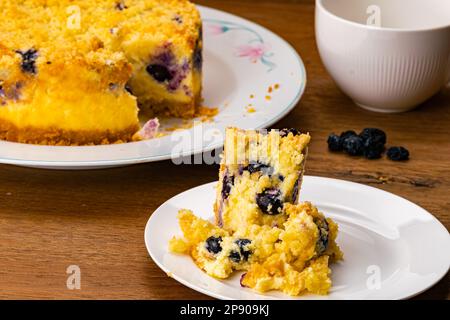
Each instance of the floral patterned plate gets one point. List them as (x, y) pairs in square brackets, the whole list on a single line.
[(251, 75)]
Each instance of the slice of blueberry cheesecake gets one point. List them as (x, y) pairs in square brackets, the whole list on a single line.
[(164, 43), (260, 171), (293, 257)]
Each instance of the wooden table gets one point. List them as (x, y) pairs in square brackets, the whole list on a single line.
[(95, 219)]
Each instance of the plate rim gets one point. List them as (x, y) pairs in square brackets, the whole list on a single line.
[(306, 177), (58, 164)]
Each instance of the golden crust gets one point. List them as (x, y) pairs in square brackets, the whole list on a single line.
[(60, 137), (189, 110)]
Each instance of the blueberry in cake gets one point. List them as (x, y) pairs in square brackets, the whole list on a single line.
[(259, 172), (76, 72), (213, 249), (261, 226)]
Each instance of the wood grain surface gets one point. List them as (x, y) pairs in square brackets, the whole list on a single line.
[(95, 219)]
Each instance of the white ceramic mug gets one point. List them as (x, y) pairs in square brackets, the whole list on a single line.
[(387, 55)]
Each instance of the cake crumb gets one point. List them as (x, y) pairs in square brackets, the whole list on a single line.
[(207, 111), (383, 180), (252, 96), (270, 89), (207, 114), (251, 109), (277, 86), (149, 130), (268, 98), (206, 119)]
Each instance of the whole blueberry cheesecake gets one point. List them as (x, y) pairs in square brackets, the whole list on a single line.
[(77, 72), (260, 171)]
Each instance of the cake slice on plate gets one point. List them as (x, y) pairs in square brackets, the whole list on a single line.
[(293, 258), (261, 226), (260, 171)]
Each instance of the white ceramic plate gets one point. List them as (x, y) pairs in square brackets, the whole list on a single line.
[(241, 59), (383, 236)]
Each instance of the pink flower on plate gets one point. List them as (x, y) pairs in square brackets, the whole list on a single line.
[(254, 52), (216, 29)]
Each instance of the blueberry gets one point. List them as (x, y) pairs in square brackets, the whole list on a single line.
[(28, 60), (241, 280), (374, 152), (165, 57), (322, 241), (269, 201), (128, 88), (227, 183), (179, 73), (159, 72), (178, 19), (372, 149), (121, 6), (334, 143), (213, 244), (242, 243), (285, 132), (198, 56), (259, 167), (398, 154), (235, 256), (347, 134), (353, 145), (113, 86), (373, 136), (2, 96)]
